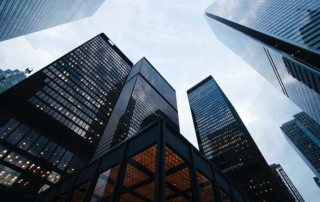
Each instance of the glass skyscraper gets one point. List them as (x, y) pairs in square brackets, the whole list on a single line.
[(224, 139), (9, 78), (279, 39), (145, 98), (303, 134), (51, 122), (285, 182), (20, 17)]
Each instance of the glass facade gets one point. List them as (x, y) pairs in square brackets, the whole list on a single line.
[(145, 97), (48, 118), (20, 17), (292, 21), (280, 40), (285, 182), (157, 164), (303, 134), (224, 139), (9, 78)]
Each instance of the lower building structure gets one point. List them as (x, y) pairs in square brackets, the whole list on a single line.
[(288, 187), (157, 164)]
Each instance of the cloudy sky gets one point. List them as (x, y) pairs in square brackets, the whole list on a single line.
[(174, 36)]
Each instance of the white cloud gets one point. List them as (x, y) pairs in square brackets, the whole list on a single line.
[(19, 54)]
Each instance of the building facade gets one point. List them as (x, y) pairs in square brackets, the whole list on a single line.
[(146, 97), (284, 180), (19, 17), (157, 164), (9, 78), (48, 119), (224, 139), (303, 134), (279, 39)]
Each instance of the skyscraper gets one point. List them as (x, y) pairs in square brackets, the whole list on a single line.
[(224, 139), (279, 39), (9, 78), (284, 180), (19, 17), (146, 97), (51, 122), (303, 134)]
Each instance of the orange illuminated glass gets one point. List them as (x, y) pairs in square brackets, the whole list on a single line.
[(80, 192), (178, 186), (138, 183), (206, 189)]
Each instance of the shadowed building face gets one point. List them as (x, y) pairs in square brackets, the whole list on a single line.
[(224, 139), (48, 119)]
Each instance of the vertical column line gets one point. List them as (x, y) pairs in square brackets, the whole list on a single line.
[(194, 177), (120, 176), (159, 195), (216, 186)]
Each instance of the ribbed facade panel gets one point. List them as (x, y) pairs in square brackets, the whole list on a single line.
[(294, 21), (295, 79), (20, 17), (285, 182)]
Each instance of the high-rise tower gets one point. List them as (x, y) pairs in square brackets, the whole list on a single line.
[(224, 139), (303, 134), (51, 122), (285, 182), (145, 98), (279, 39), (19, 17), (9, 78)]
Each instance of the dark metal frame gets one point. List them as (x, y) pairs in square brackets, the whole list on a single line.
[(162, 135)]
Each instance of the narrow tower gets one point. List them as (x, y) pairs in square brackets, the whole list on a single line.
[(224, 139), (285, 182), (303, 134)]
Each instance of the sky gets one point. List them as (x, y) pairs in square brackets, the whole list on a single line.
[(174, 36)]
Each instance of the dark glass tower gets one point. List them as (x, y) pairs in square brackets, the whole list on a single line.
[(145, 98), (303, 134), (279, 39), (51, 122), (224, 139), (20, 17), (284, 180)]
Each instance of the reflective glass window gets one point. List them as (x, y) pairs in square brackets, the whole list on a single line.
[(80, 191), (206, 189), (105, 185)]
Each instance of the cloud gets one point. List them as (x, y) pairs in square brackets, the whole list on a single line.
[(19, 54)]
